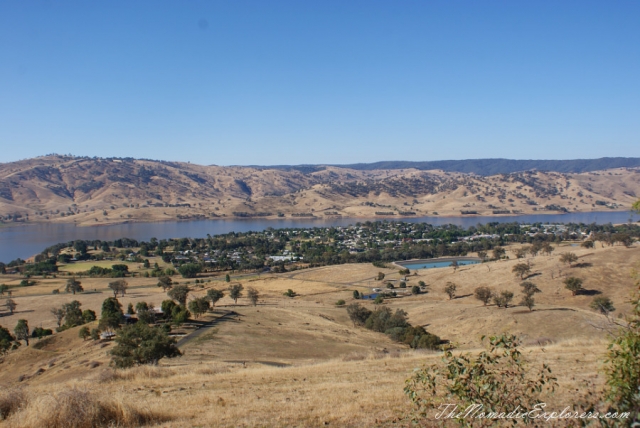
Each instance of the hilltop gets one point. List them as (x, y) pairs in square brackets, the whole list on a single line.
[(91, 191)]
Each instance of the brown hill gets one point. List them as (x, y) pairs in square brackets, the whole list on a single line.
[(101, 191)]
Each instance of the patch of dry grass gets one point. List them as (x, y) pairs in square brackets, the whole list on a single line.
[(82, 408)]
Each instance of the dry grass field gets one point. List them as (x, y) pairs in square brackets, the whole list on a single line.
[(300, 361)]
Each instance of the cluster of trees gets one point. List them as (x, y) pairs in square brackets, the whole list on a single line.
[(116, 271), (394, 324), (71, 315)]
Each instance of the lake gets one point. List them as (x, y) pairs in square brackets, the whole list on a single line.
[(425, 264), (25, 241)]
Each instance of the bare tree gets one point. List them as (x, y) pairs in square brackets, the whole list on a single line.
[(59, 314), (11, 305)]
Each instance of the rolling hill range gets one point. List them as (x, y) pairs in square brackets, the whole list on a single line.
[(113, 190)]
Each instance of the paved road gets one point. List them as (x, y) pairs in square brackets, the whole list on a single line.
[(205, 327)]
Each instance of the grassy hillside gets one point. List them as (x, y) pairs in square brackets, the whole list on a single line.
[(300, 361)]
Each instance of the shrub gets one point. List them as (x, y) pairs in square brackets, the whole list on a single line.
[(573, 284), (358, 314), (141, 344), (84, 333), (290, 293), (415, 290), (450, 289), (11, 400), (602, 304), (484, 294), (340, 302), (356, 294), (496, 379)]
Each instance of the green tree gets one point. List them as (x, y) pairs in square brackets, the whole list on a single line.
[(587, 244), (356, 294), (547, 248), (22, 331), (358, 314), (522, 252), (602, 304), (528, 301), (496, 379), (227, 278), (95, 334), (190, 270), (6, 340), (179, 293), (253, 295), (141, 344), (573, 284), (111, 315), (623, 364), (415, 290), (568, 258), (503, 299), (73, 286), (130, 310), (484, 294), (380, 276), (214, 295), (521, 269), (450, 290), (235, 292), (88, 315), (72, 314), (498, 253), (118, 286), (165, 283), (529, 288), (3, 288), (84, 333), (482, 255), (199, 306)]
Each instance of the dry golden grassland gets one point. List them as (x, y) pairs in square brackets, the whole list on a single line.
[(299, 361)]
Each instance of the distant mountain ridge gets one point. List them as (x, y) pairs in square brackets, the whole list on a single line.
[(484, 167), (93, 191)]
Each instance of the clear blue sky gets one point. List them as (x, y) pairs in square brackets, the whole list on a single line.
[(275, 82)]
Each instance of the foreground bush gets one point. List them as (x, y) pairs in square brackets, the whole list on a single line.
[(141, 344), (496, 379), (79, 408)]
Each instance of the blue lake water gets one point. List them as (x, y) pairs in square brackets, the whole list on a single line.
[(431, 265), (25, 241)]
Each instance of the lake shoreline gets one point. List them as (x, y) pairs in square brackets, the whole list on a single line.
[(357, 218)]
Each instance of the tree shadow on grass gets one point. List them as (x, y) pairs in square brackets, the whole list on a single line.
[(583, 265), (589, 292), (463, 296)]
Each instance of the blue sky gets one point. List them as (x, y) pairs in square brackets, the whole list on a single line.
[(275, 82)]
